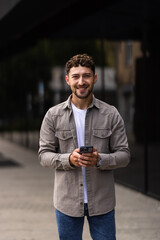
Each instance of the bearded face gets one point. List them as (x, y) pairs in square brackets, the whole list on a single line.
[(81, 81)]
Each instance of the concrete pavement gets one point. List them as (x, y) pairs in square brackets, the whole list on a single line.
[(27, 213)]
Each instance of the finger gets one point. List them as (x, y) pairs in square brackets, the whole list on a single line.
[(84, 156), (89, 161), (83, 164), (85, 161), (90, 158), (87, 154), (94, 149), (77, 150), (74, 158), (76, 163), (76, 154), (86, 164)]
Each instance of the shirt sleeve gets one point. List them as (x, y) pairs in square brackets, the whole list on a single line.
[(48, 150), (119, 155)]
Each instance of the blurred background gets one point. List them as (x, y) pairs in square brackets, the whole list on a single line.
[(38, 37)]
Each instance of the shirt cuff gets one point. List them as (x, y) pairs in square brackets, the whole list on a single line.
[(106, 161), (64, 158)]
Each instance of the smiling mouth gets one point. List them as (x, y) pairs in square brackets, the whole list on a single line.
[(82, 88), (82, 92)]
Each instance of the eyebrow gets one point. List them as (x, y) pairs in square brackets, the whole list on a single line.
[(77, 74), (74, 74)]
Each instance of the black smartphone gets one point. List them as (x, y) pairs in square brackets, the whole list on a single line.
[(86, 149)]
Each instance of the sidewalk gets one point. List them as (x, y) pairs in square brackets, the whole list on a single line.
[(27, 213)]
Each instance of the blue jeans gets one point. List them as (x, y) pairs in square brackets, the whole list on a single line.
[(102, 227)]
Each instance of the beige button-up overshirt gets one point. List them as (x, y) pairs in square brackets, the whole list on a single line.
[(104, 129)]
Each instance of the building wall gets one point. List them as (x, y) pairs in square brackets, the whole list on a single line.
[(126, 54), (137, 78)]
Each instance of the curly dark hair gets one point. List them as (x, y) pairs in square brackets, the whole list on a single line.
[(80, 59)]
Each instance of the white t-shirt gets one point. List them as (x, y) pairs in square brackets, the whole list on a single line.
[(79, 116)]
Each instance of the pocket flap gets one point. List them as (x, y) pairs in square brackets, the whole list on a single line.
[(63, 135), (102, 133)]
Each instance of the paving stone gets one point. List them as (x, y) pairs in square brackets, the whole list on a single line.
[(27, 212)]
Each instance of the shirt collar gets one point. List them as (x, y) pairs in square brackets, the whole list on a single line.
[(67, 103), (95, 103)]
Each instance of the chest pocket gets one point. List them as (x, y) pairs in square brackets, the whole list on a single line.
[(101, 138), (65, 140), (63, 135), (102, 133)]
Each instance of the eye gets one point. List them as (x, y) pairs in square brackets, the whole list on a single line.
[(75, 77), (87, 75)]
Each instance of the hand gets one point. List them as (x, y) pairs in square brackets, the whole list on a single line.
[(74, 157), (88, 159)]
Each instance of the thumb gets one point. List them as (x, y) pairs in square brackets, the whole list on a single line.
[(94, 149), (77, 150)]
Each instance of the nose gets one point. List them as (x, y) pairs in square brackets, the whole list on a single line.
[(81, 80)]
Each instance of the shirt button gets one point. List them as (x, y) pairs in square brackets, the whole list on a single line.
[(81, 184), (81, 203)]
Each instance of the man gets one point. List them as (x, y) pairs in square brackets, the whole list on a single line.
[(84, 182)]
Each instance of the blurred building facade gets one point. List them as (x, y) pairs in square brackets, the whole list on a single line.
[(138, 103), (131, 84)]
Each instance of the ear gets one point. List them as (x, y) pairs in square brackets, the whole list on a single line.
[(95, 78), (67, 80)]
